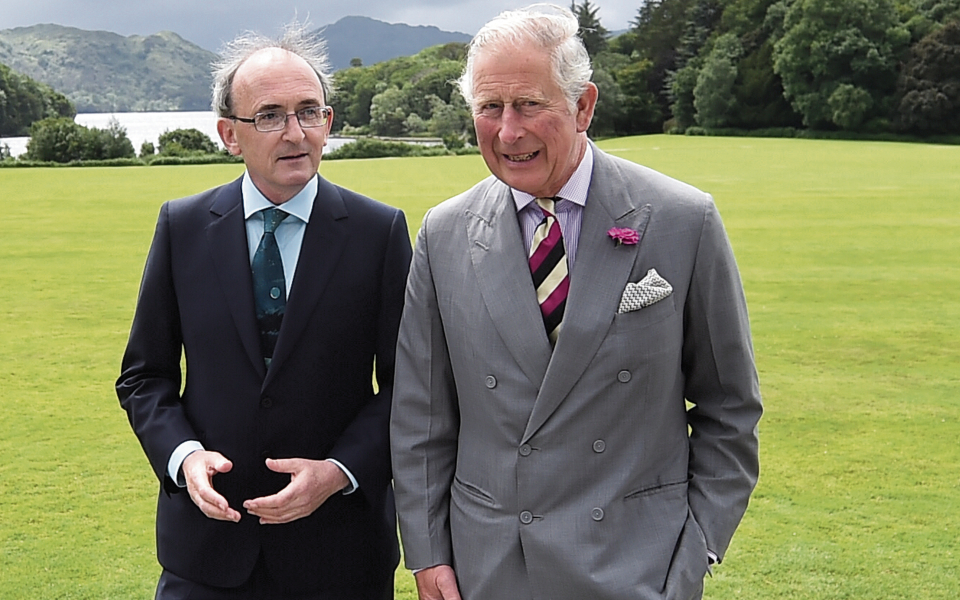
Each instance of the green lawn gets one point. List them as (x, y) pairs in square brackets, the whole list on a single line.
[(850, 254)]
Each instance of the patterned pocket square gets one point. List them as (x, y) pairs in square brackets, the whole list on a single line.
[(652, 288)]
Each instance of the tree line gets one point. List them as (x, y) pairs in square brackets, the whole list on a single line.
[(859, 66), (773, 66)]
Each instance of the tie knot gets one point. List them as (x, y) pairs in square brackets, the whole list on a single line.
[(272, 218), (548, 205)]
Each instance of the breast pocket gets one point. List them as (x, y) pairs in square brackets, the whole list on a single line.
[(647, 316)]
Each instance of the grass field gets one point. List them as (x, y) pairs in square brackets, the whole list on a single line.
[(850, 254)]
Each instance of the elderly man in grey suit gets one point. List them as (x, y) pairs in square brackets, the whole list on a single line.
[(575, 402)]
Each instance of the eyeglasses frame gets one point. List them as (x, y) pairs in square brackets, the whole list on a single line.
[(325, 110)]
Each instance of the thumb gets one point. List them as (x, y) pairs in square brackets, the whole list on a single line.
[(282, 465), (447, 586), (222, 465)]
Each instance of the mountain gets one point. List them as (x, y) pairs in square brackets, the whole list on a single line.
[(101, 71), (374, 41)]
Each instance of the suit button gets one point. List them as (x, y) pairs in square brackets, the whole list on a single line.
[(491, 381), (596, 514), (525, 450), (266, 403), (526, 517), (599, 446), (265, 454), (623, 376)]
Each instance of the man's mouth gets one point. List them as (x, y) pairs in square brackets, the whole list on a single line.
[(522, 157), (293, 156)]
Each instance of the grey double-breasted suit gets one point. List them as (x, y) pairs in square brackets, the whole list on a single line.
[(576, 472)]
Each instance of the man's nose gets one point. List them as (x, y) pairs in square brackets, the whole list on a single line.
[(511, 125), (292, 130)]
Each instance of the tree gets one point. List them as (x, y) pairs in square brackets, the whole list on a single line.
[(657, 32), (641, 108), (111, 142), (609, 109), (713, 95), (388, 111), (180, 142), (24, 101), (450, 119), (62, 140), (827, 44), (683, 84), (929, 87), (760, 102), (593, 34)]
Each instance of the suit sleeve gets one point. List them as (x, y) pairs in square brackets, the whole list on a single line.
[(364, 446), (425, 419), (150, 378), (722, 385)]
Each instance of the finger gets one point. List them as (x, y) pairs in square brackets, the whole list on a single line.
[(437, 583), (448, 588), (221, 466), (213, 505), (284, 465), (273, 503)]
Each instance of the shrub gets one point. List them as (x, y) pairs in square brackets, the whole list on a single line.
[(186, 142)]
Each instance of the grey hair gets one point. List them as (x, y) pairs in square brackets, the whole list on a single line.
[(547, 26), (295, 39)]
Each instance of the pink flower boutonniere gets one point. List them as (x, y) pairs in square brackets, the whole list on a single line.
[(623, 235)]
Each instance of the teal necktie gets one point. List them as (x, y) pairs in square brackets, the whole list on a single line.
[(269, 285)]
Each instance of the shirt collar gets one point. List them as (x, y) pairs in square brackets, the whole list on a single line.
[(299, 206), (576, 188)]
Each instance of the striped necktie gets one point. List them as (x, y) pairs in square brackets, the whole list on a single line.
[(548, 264)]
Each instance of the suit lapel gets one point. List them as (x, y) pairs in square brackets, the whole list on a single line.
[(323, 242), (599, 275), (227, 237), (499, 260)]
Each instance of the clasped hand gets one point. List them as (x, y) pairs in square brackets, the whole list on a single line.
[(311, 483)]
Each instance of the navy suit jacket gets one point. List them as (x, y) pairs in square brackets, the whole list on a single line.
[(316, 401)]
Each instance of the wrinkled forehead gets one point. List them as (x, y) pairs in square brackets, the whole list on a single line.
[(513, 71)]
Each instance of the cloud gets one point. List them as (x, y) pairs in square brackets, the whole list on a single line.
[(210, 24)]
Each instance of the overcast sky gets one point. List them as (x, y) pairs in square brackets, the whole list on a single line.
[(209, 24)]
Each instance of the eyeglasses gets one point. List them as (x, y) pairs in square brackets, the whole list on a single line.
[(312, 116)]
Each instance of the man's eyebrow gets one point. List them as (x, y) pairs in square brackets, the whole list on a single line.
[(302, 104)]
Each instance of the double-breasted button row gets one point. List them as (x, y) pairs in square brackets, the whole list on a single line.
[(526, 517), (599, 446)]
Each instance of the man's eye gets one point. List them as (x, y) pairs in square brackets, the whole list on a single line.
[(270, 116), (310, 113)]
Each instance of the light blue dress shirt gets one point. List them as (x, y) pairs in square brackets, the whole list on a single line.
[(289, 236)]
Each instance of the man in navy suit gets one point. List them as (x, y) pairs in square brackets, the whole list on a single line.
[(273, 456)]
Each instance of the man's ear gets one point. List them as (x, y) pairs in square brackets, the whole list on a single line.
[(586, 104), (228, 135)]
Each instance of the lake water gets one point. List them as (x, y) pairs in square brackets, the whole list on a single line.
[(147, 126)]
